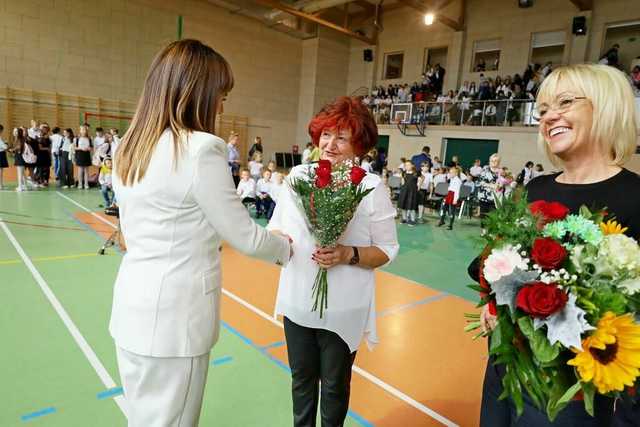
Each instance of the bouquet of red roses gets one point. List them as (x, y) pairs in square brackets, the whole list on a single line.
[(329, 197), (566, 292)]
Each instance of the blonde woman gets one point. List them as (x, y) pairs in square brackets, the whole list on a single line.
[(588, 129), (177, 203)]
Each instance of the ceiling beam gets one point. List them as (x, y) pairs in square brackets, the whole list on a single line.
[(360, 17), (365, 5), (455, 25), (438, 5), (583, 5), (311, 18)]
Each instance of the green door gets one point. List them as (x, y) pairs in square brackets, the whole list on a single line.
[(383, 143), (468, 150)]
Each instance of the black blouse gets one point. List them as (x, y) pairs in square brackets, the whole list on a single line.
[(619, 195)]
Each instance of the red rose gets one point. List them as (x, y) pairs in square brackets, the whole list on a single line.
[(324, 168), (548, 253), (323, 174), (323, 181), (551, 211), (357, 174), (541, 300)]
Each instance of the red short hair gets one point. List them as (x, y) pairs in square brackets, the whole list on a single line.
[(347, 113)]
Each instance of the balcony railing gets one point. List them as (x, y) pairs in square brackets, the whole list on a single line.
[(508, 112)]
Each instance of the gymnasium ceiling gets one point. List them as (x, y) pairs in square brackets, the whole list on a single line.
[(360, 19)]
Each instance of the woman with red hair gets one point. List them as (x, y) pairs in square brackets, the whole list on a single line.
[(324, 349)]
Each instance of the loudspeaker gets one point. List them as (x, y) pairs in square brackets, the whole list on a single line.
[(579, 25), (367, 55)]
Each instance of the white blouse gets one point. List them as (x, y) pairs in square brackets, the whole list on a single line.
[(454, 186), (351, 311)]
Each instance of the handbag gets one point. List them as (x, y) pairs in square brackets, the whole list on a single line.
[(28, 155)]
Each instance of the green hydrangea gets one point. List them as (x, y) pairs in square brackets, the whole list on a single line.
[(586, 230), (556, 230), (578, 227)]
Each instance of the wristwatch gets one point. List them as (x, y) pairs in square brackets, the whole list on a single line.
[(356, 257)]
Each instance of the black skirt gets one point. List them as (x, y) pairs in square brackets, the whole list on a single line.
[(83, 158), (18, 160), (3, 160)]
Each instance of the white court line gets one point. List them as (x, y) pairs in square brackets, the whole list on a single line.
[(85, 209), (377, 381), (62, 313)]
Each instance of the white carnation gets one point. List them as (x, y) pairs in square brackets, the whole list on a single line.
[(502, 262)]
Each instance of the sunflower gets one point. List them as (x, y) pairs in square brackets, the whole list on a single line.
[(610, 357), (612, 227)]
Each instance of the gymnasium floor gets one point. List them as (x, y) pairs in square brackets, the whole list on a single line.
[(58, 360)]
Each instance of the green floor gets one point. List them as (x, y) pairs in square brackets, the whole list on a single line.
[(42, 367)]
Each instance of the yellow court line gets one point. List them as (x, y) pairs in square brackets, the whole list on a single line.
[(50, 258)]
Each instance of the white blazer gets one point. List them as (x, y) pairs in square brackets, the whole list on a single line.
[(166, 301)]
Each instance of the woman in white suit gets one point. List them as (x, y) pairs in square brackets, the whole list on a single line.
[(177, 203)]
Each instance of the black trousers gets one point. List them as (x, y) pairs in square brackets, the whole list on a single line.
[(318, 355), (502, 413), (66, 170)]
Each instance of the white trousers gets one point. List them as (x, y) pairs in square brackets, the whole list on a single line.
[(162, 391)]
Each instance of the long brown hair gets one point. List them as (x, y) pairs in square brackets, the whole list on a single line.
[(183, 87)]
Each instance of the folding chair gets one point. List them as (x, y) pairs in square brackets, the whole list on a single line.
[(394, 183), (438, 195), (465, 193)]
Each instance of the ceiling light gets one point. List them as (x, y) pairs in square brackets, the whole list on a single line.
[(429, 18)]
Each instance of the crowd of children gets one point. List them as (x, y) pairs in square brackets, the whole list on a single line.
[(38, 150), (444, 188)]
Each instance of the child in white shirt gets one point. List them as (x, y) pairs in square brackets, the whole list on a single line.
[(256, 166), (452, 200), (277, 183), (424, 189), (264, 202), (246, 188)]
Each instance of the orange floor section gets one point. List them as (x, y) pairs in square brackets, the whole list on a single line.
[(423, 350)]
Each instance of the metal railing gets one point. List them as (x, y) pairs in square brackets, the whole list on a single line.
[(508, 112)]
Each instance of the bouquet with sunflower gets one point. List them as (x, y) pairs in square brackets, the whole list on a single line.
[(566, 292), (329, 197)]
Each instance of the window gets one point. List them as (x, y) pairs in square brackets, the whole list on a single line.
[(486, 55), (547, 47), (393, 65)]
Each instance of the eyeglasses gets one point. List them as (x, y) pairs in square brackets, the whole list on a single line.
[(561, 105)]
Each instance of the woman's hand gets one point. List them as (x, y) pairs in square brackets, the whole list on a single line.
[(286, 236), (330, 257), (487, 320)]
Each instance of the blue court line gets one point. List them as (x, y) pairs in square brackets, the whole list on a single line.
[(399, 308), (358, 418), (273, 345), (116, 391), (40, 413), (221, 361)]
